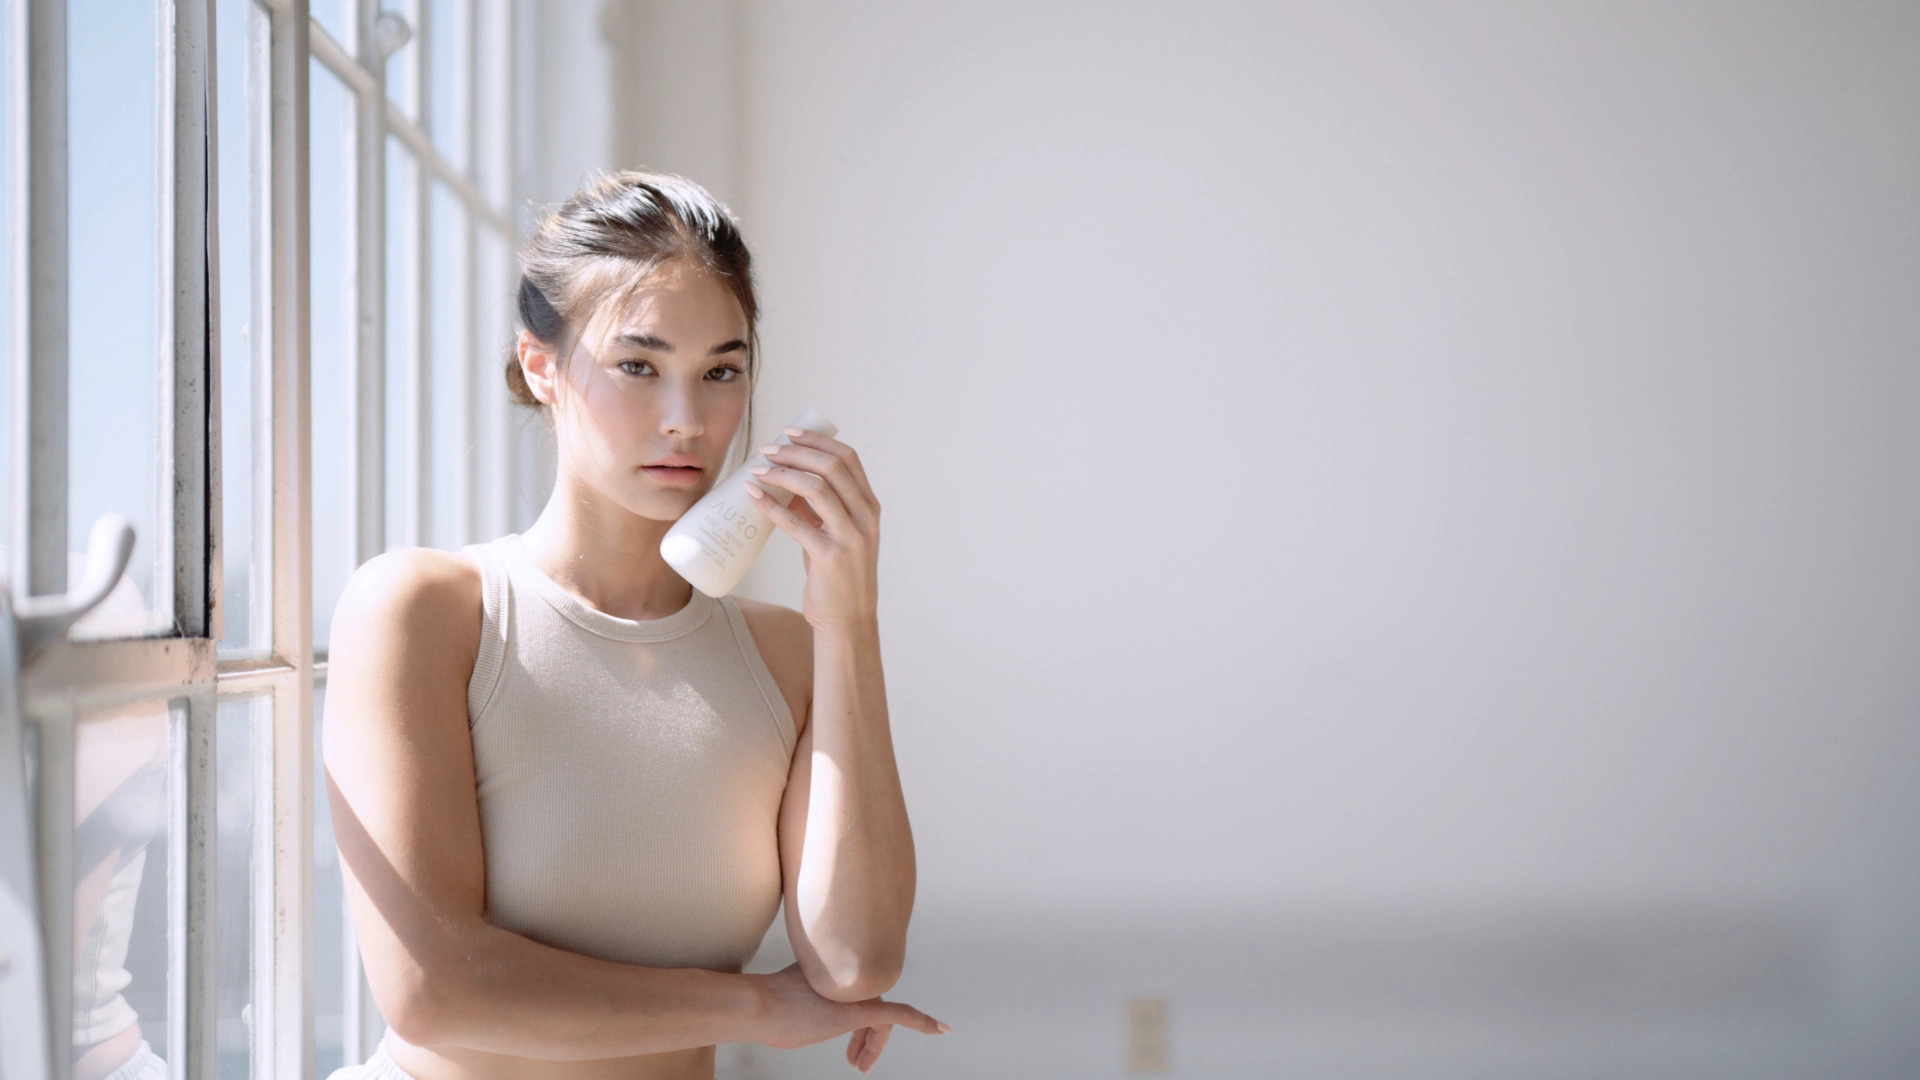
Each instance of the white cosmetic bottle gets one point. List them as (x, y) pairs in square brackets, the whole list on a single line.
[(716, 540)]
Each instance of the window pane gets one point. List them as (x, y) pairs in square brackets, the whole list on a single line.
[(493, 335), (400, 63), (238, 745), (113, 284), (332, 237), (336, 18), (449, 26), (120, 886), (452, 445), (240, 28)]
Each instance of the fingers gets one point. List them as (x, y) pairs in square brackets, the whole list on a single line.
[(786, 518), (819, 494), (899, 1012), (835, 462), (876, 1042), (803, 437), (857, 1047)]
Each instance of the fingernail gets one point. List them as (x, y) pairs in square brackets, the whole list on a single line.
[(754, 491), (944, 1026), (761, 470), (770, 448), (792, 431)]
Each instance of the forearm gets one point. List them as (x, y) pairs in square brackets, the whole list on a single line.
[(489, 989), (856, 882)]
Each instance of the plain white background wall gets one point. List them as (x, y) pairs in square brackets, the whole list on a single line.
[(1400, 519)]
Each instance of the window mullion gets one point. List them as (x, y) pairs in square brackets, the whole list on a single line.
[(417, 221), (54, 764), (285, 1025), (39, 155), (188, 451), (466, 497), (192, 1006), (366, 292)]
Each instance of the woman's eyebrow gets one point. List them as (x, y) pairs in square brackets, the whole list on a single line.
[(643, 341), (736, 345)]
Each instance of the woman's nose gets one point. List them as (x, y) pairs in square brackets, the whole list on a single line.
[(682, 417)]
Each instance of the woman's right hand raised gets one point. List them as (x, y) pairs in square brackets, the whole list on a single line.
[(798, 1016)]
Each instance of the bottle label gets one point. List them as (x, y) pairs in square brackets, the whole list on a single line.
[(724, 533)]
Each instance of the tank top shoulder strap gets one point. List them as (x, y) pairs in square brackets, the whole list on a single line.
[(495, 622), (783, 721)]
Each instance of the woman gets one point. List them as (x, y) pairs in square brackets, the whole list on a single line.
[(569, 790)]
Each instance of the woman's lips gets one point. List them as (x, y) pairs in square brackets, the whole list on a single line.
[(672, 474)]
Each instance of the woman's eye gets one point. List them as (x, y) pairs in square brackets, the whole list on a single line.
[(625, 364), (725, 373)]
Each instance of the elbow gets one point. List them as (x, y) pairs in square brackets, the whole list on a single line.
[(855, 978), (419, 1009)]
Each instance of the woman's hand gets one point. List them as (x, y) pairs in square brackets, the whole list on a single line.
[(836, 521), (800, 1017)]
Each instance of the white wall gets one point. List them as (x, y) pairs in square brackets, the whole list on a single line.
[(1399, 518)]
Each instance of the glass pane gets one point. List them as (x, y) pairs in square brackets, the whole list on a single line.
[(240, 29), (332, 233), (492, 341), (401, 254), (449, 28), (113, 285), (120, 888), (238, 744), (400, 63), (452, 443), (336, 18)]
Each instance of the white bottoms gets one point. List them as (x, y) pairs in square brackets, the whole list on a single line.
[(143, 1065), (378, 1067)]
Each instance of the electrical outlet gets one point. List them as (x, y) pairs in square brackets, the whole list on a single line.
[(1147, 1050)]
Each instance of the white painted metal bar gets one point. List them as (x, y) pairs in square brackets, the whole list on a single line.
[(187, 343), (260, 119), (192, 1003), (496, 167), (54, 783), (285, 979), (467, 480), (39, 341), (416, 243), (91, 674)]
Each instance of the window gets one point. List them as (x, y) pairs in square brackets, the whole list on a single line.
[(256, 288)]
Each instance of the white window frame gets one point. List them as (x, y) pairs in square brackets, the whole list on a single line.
[(184, 667)]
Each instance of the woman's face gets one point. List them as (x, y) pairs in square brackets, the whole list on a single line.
[(653, 391)]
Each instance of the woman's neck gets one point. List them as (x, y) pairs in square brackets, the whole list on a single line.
[(606, 555)]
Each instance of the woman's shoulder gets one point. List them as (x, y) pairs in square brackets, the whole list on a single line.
[(785, 642), (421, 600)]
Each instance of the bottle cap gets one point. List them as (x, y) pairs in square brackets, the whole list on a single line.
[(809, 419)]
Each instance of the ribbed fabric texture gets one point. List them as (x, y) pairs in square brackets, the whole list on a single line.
[(630, 772)]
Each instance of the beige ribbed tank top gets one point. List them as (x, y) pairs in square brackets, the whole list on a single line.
[(630, 772)]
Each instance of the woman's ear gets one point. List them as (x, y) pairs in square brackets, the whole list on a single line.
[(537, 363)]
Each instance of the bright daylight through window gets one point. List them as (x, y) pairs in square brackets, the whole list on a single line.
[(257, 265)]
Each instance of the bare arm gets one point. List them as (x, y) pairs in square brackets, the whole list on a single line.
[(846, 848), (400, 781)]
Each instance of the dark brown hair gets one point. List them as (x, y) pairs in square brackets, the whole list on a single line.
[(601, 244)]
